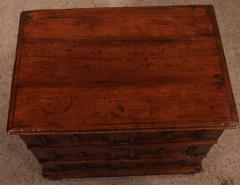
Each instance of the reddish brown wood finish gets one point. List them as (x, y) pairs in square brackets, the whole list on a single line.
[(110, 139), (121, 152), (119, 69), (108, 172), (120, 91), (121, 167)]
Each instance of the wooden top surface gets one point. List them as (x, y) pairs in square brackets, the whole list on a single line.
[(117, 69)]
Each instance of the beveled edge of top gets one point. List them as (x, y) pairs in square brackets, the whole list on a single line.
[(13, 129)]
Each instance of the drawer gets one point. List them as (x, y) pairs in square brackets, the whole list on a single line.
[(58, 170), (87, 153), (108, 172), (119, 164), (120, 138)]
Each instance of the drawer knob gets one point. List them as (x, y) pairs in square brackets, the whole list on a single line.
[(113, 155), (113, 166), (131, 154), (44, 140), (132, 165), (76, 138), (110, 139), (199, 135), (166, 135), (52, 155), (131, 138), (59, 167), (183, 163), (82, 154), (83, 166), (159, 164), (161, 150), (191, 150)]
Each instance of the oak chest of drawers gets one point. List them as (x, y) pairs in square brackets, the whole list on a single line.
[(120, 91)]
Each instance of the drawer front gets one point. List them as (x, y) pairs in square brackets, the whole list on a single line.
[(120, 138), (120, 164), (121, 152), (109, 172)]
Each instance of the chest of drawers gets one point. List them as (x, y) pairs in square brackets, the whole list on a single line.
[(120, 91)]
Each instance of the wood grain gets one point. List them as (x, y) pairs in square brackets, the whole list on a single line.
[(120, 91), (107, 69)]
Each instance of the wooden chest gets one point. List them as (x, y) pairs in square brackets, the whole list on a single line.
[(120, 91)]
